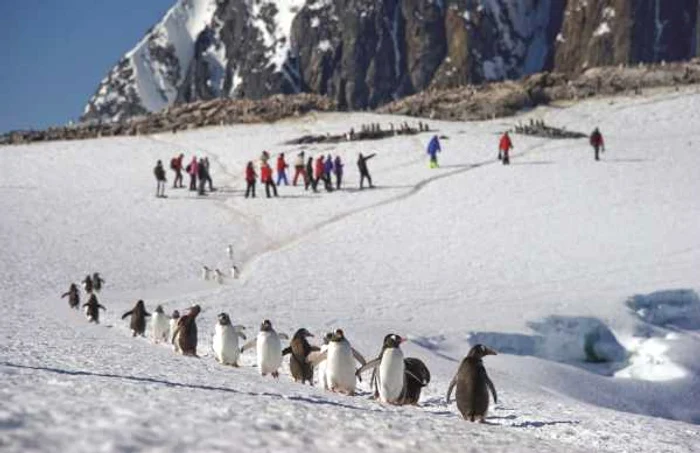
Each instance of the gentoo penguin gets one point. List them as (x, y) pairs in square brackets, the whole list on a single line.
[(160, 325), (229, 251), (219, 276), (92, 309), (473, 385), (417, 377), (225, 341), (299, 348), (73, 296), (234, 272), (174, 318), (206, 273), (269, 349), (138, 318), (322, 366), (97, 281), (391, 379), (340, 363), (185, 336), (87, 283)]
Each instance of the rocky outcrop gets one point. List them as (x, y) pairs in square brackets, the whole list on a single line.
[(493, 100), (215, 112), (366, 53)]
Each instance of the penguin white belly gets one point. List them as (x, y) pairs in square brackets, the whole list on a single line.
[(322, 370), (340, 367), (159, 327), (225, 345), (391, 375), (269, 352)]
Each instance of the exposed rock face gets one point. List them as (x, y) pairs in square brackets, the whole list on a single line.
[(365, 53)]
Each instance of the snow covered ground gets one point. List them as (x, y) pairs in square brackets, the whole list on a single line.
[(550, 261)]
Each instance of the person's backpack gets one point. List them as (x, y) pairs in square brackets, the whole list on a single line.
[(173, 163)]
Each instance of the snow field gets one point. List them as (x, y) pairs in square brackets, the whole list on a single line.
[(528, 259)]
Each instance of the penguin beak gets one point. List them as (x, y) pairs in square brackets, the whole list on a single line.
[(489, 351), (402, 340)]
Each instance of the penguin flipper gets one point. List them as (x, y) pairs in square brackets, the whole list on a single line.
[(358, 357), (287, 350), (128, 313), (492, 388), (316, 357), (368, 366), (251, 344), (453, 382), (283, 336)]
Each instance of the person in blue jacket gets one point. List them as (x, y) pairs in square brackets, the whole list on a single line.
[(327, 172), (433, 149)]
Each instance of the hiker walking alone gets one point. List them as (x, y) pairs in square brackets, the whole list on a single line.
[(597, 143), (159, 173), (433, 149), (299, 170), (364, 172), (310, 180), (192, 171), (338, 170), (282, 170), (504, 147), (250, 177), (266, 178), (176, 166)]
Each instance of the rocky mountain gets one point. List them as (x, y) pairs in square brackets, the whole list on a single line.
[(366, 53)]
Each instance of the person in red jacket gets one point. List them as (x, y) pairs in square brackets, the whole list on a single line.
[(266, 178), (250, 180), (504, 147), (176, 166), (597, 142), (282, 170)]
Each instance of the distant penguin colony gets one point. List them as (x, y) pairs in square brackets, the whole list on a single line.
[(396, 379)]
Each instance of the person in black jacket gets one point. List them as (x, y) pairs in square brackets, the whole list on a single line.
[(310, 180), (202, 175), (364, 172), (159, 173)]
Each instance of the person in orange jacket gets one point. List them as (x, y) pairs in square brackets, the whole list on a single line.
[(597, 142), (504, 148), (266, 178), (250, 179), (320, 172), (282, 170)]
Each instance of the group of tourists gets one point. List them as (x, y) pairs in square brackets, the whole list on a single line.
[(197, 169), (322, 170)]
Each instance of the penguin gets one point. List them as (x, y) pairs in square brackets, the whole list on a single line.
[(391, 379), (234, 272), (229, 251), (473, 385), (206, 273), (138, 318), (417, 377), (269, 349), (299, 348), (322, 366), (73, 296), (340, 363), (185, 336), (174, 318), (225, 340), (92, 309), (97, 282), (218, 276), (160, 325), (87, 283)]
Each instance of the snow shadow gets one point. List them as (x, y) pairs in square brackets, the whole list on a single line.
[(674, 308), (583, 342), (189, 386)]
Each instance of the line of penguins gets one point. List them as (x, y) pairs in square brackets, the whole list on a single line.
[(395, 379)]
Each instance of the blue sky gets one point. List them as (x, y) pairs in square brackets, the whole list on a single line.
[(55, 52)]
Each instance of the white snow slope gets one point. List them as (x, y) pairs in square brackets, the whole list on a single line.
[(534, 260)]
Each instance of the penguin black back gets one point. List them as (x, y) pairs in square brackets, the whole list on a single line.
[(473, 384), (299, 348), (417, 376), (186, 333), (138, 318)]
